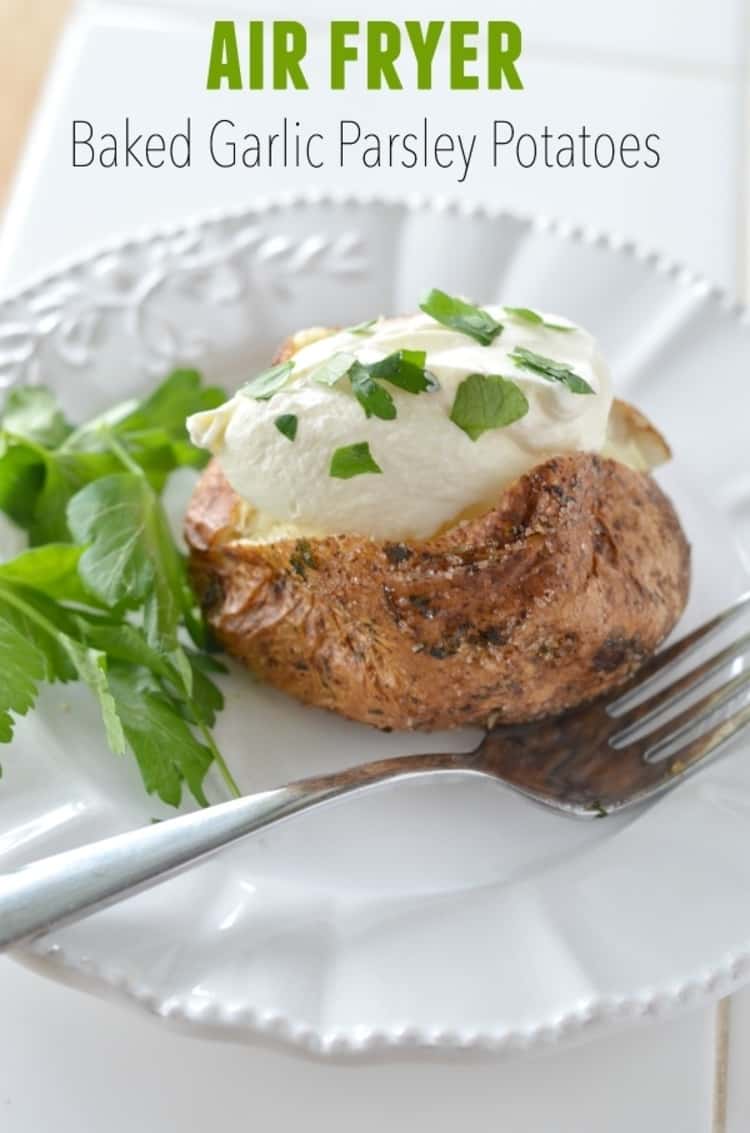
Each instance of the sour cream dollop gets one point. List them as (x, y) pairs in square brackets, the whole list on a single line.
[(432, 472)]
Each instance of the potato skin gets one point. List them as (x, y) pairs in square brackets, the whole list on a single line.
[(553, 597)]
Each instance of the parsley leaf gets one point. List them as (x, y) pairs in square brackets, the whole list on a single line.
[(287, 425), (549, 369), (34, 489), (333, 369), (130, 557), (526, 315), (487, 401), (170, 405), (406, 369), (24, 667), (32, 413), (124, 641), (51, 569), (265, 385), (163, 744), (91, 666), (62, 479), (353, 460), (207, 699), (375, 400), (459, 315), (361, 328), (49, 654), (21, 479), (40, 623)]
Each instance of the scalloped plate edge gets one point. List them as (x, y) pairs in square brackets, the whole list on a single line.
[(210, 1020)]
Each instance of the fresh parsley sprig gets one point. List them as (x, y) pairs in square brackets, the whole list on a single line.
[(102, 595)]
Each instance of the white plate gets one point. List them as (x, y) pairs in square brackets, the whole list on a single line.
[(442, 914)]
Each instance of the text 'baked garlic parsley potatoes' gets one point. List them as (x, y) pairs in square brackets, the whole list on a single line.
[(437, 520)]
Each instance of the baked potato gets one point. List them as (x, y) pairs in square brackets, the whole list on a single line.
[(550, 597)]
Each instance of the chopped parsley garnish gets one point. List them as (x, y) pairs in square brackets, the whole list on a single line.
[(549, 369), (265, 385), (487, 401), (287, 425), (361, 328), (353, 460), (461, 316), (376, 401), (333, 369), (404, 369), (526, 315)]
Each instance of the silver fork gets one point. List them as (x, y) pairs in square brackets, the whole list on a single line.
[(591, 762)]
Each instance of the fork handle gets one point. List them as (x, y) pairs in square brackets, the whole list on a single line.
[(65, 887)]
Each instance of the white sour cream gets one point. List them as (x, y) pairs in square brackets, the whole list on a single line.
[(432, 472)]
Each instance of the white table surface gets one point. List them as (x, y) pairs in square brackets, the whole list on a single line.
[(72, 1063)]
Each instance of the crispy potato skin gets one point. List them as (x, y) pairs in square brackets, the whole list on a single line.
[(553, 597)]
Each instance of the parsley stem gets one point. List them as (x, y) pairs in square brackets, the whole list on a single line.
[(122, 454), (31, 613), (97, 426), (219, 760), (184, 691)]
